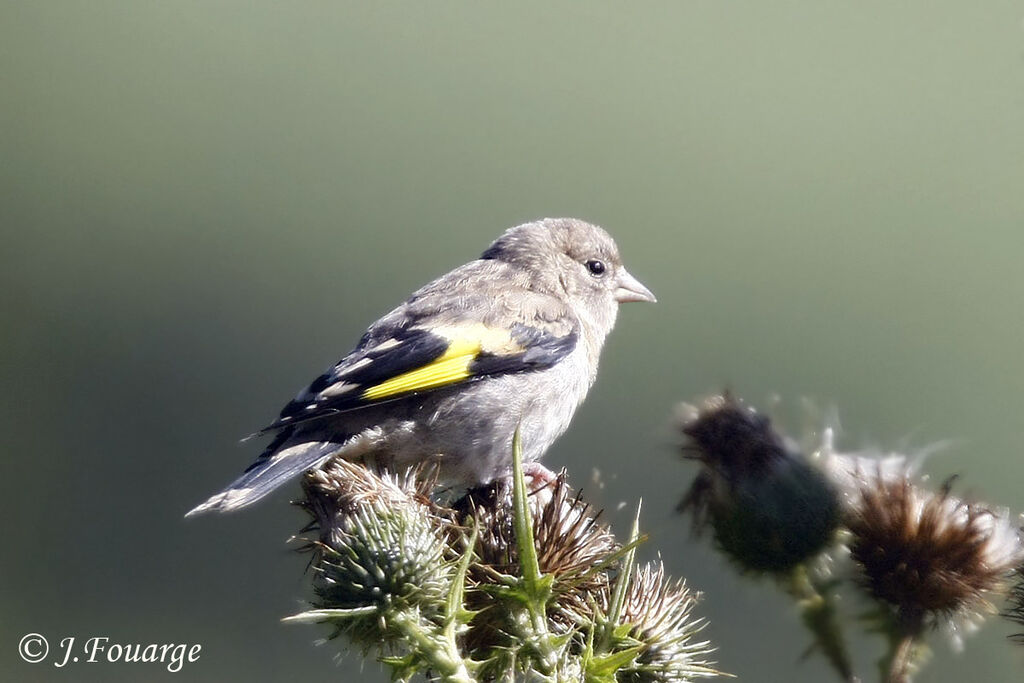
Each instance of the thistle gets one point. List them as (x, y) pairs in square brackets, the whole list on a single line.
[(657, 611), (926, 559), (927, 554), (933, 559), (384, 574), (504, 584), (571, 543), (770, 509)]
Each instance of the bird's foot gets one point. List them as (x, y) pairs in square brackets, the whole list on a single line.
[(537, 476)]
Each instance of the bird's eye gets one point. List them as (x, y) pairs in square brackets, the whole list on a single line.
[(595, 267)]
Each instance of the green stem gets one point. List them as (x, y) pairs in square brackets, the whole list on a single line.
[(898, 668), (439, 650), (536, 587), (819, 616), (529, 565), (618, 598), (546, 653), (906, 653)]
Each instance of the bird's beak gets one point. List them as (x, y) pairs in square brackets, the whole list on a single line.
[(630, 289)]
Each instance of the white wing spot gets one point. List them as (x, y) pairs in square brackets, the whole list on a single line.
[(386, 345), (338, 388), (361, 363)]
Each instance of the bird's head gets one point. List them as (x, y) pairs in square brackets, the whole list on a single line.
[(573, 259)]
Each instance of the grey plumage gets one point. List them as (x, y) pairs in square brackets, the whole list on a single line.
[(509, 340)]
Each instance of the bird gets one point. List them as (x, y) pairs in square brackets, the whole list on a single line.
[(507, 342)]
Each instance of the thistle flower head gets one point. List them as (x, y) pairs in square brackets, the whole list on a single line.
[(769, 507), (568, 533), (659, 613), (380, 545), (929, 555), (571, 543), (849, 470)]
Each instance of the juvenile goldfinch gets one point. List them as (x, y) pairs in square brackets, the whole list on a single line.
[(509, 340)]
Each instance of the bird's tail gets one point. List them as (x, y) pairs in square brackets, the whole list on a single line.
[(266, 474)]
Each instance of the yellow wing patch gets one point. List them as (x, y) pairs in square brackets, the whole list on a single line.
[(466, 343)]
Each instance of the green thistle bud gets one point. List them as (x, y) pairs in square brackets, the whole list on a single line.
[(770, 508), (380, 549)]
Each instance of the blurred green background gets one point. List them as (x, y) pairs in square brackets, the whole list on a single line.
[(204, 204)]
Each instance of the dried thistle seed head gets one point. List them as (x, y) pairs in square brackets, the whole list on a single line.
[(929, 555), (848, 470), (342, 486), (659, 613), (568, 533), (571, 543), (380, 543), (769, 507), (1015, 611)]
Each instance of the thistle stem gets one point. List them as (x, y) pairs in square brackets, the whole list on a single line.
[(439, 649), (535, 586), (899, 667), (905, 654), (547, 655), (819, 616)]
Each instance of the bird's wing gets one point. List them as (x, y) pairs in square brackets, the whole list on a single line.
[(421, 347)]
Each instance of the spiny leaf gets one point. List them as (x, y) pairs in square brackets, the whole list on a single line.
[(604, 667), (316, 616), (528, 563), (622, 582), (455, 600)]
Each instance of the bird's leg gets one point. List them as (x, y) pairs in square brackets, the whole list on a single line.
[(538, 476)]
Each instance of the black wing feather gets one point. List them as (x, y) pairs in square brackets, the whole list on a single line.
[(382, 357), (414, 349), (543, 350)]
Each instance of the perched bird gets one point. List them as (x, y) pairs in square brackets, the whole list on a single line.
[(509, 340)]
